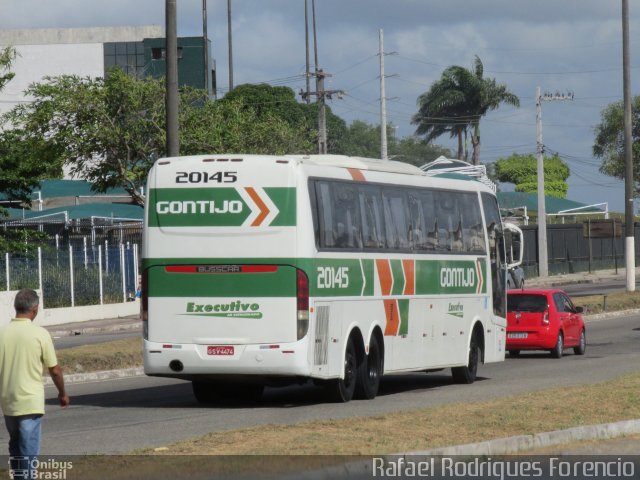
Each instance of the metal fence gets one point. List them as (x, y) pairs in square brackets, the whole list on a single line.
[(71, 276), (569, 250)]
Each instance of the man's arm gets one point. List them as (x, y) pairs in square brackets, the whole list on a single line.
[(58, 380)]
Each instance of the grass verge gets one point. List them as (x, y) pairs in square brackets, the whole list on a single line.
[(275, 449), (119, 354), (445, 425), (614, 302)]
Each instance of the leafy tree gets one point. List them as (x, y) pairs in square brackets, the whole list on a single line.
[(456, 103), (280, 102), (20, 170), (609, 141), (7, 57), (522, 170), (363, 140), (265, 99), (417, 151)]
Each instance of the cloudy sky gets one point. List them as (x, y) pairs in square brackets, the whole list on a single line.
[(565, 46)]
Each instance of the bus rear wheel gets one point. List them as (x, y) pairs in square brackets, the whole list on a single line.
[(467, 374), (369, 372), (215, 392), (205, 392), (341, 390)]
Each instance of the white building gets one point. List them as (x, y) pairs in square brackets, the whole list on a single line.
[(73, 51)]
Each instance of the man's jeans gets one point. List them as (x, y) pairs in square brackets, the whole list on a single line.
[(24, 442)]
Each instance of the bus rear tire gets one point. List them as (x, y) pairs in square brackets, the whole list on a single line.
[(205, 392), (369, 372), (210, 392), (341, 390), (467, 374)]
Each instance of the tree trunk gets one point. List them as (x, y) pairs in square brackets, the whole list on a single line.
[(475, 142), (460, 147)]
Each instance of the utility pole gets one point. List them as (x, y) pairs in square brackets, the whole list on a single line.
[(543, 261), (383, 104), (230, 42), (171, 46), (205, 47), (320, 93), (630, 260), (306, 43)]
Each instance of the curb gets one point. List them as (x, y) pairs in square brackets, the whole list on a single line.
[(98, 376), (519, 444), (121, 327), (604, 315), (522, 443)]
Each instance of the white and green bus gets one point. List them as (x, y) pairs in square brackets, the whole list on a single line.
[(269, 270)]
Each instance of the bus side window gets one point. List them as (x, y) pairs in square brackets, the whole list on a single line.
[(327, 238), (416, 227), (395, 220), (472, 224), (370, 209), (447, 220), (347, 229)]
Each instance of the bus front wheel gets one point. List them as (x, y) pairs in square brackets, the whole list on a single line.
[(467, 374)]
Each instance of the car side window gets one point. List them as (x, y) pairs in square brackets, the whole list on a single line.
[(559, 302), (568, 304)]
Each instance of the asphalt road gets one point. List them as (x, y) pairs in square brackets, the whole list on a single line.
[(121, 415)]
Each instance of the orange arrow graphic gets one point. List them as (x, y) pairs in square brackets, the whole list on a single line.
[(264, 210)]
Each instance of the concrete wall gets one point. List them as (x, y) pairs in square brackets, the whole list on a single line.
[(59, 51), (59, 316), (37, 61)]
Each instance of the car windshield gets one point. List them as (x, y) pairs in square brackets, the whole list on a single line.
[(526, 303)]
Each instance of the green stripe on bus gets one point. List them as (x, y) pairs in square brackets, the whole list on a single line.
[(403, 310), (281, 283), (351, 277), (398, 277), (219, 207)]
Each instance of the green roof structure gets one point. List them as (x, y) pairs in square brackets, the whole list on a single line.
[(553, 205), (117, 211)]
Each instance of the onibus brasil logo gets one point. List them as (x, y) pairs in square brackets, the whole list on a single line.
[(235, 309)]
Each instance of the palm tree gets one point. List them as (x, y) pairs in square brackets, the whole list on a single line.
[(457, 102), (441, 111)]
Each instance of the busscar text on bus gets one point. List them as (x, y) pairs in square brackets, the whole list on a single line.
[(272, 270)]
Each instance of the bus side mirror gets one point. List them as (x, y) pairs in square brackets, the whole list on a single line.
[(515, 244)]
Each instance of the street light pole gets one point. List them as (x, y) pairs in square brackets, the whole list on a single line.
[(171, 46), (543, 262), (630, 260)]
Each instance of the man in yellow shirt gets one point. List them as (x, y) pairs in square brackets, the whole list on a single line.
[(25, 349)]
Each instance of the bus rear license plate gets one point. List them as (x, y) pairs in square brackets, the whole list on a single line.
[(518, 335), (220, 350)]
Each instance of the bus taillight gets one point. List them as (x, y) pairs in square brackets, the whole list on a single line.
[(144, 304), (302, 298)]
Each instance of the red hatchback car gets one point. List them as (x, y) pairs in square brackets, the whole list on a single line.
[(544, 319)]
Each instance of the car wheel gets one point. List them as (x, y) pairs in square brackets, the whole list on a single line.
[(369, 372), (514, 353), (467, 374), (559, 348), (342, 389), (582, 346)]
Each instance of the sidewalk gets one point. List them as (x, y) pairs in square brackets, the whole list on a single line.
[(580, 277), (90, 327)]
